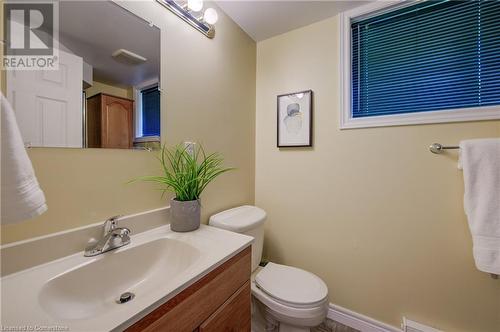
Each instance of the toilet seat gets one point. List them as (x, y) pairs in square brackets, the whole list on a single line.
[(291, 286)]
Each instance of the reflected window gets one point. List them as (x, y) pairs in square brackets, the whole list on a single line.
[(150, 110)]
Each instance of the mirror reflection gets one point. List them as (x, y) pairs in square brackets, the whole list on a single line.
[(106, 91)]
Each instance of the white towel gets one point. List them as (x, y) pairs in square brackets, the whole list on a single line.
[(480, 161), (22, 197)]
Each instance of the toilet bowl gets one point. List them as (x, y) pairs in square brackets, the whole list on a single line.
[(288, 299), (284, 298)]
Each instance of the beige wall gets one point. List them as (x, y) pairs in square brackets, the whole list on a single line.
[(371, 211), (209, 96), (99, 87), (86, 186), (2, 72), (211, 87)]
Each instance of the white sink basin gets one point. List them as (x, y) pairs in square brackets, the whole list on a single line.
[(80, 293), (87, 290)]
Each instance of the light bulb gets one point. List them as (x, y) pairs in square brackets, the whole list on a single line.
[(210, 16), (195, 5)]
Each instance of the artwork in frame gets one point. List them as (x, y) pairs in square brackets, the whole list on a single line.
[(294, 117)]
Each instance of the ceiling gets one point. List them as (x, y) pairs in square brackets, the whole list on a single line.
[(95, 29), (262, 19)]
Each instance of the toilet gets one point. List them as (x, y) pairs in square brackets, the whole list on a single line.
[(284, 298)]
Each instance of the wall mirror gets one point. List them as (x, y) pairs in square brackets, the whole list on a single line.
[(106, 92)]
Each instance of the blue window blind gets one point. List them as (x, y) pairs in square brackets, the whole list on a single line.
[(151, 112), (429, 56)]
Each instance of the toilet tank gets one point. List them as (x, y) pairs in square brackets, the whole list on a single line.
[(248, 220)]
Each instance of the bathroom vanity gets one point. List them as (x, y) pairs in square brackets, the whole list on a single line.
[(161, 281), (220, 301)]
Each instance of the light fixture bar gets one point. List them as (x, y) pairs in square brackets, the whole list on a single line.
[(205, 28)]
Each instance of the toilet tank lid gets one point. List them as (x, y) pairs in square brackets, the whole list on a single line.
[(239, 219)]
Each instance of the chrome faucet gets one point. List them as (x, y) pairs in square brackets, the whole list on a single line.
[(113, 237)]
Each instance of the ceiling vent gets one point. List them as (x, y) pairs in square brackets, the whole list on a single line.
[(127, 57)]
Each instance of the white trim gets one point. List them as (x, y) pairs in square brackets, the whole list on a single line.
[(346, 119), (147, 84), (145, 139), (413, 326), (358, 321)]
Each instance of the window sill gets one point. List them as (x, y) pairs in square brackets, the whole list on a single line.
[(147, 139), (447, 116)]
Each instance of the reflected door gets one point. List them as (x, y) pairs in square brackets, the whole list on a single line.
[(48, 103)]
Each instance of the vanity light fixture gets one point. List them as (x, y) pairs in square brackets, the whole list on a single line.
[(195, 5), (187, 11), (210, 16)]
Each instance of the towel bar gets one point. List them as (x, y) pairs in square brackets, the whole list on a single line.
[(438, 148)]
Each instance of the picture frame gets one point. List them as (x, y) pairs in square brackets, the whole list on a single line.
[(294, 119)]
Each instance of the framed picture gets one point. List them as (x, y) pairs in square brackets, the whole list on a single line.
[(295, 119)]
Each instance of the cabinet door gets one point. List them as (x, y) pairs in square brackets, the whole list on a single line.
[(117, 129), (233, 316)]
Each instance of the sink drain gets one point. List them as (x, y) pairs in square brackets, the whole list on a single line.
[(125, 297)]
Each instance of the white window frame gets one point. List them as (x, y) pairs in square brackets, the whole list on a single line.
[(347, 121), (137, 90)]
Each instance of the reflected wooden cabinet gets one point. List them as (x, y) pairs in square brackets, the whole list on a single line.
[(110, 122)]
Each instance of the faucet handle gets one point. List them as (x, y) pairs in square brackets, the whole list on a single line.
[(121, 232), (110, 224)]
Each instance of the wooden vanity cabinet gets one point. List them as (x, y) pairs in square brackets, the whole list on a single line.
[(220, 301), (233, 315), (110, 122)]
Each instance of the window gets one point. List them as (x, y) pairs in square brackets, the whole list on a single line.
[(147, 111), (150, 100), (421, 62)]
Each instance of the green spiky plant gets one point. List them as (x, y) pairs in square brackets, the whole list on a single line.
[(187, 174)]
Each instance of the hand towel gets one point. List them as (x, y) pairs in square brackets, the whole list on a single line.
[(480, 161), (21, 197)]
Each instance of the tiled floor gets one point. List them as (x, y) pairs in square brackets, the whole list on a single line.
[(333, 326), (327, 326)]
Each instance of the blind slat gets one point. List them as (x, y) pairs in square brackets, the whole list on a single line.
[(150, 111), (433, 55)]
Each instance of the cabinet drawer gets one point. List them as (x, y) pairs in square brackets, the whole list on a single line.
[(233, 316), (190, 308)]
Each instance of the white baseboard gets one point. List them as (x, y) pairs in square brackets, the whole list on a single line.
[(358, 321)]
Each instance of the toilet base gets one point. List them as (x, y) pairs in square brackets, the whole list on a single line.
[(261, 321), (288, 328), (264, 321)]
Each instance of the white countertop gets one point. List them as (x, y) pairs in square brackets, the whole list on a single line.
[(23, 302)]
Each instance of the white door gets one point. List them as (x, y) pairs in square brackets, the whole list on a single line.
[(48, 103)]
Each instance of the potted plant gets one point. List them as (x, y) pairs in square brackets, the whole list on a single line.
[(186, 173)]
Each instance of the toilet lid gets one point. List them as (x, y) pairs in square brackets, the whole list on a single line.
[(291, 285)]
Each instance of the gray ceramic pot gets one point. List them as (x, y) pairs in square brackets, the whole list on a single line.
[(184, 215)]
